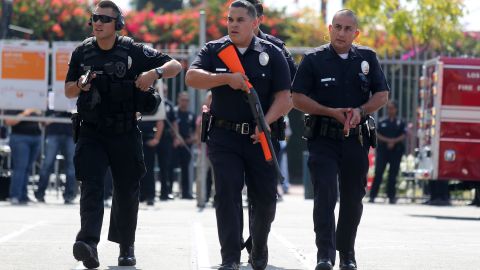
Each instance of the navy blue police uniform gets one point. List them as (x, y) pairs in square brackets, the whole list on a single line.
[(293, 69), (165, 152), (186, 128), (109, 135), (235, 159), (338, 83), (390, 128)]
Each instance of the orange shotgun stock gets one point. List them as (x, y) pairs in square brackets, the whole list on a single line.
[(229, 56)]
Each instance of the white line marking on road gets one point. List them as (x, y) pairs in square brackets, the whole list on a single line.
[(200, 249), (103, 240), (306, 262), (19, 232)]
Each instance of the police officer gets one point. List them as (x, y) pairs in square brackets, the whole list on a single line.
[(108, 135), (165, 148), (333, 82), (292, 68), (151, 133), (232, 150), (391, 134), (183, 142)]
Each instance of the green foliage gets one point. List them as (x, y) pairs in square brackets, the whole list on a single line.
[(400, 25), (307, 29)]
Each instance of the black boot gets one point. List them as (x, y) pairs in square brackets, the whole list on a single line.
[(86, 253), (347, 261), (259, 258), (229, 266), (127, 256), (324, 264)]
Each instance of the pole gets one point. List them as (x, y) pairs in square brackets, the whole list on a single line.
[(201, 177)]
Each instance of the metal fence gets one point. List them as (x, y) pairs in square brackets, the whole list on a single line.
[(402, 75)]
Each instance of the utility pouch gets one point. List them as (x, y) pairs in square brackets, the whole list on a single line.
[(372, 131), (205, 125), (76, 126), (309, 123), (147, 101)]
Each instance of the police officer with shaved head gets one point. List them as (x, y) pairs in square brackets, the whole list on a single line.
[(236, 157), (338, 85), (111, 76)]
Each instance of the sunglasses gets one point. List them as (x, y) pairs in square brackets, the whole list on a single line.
[(102, 18)]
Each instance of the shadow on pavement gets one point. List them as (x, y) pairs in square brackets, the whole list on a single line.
[(447, 217)]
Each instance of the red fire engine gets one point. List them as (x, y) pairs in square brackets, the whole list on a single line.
[(449, 120)]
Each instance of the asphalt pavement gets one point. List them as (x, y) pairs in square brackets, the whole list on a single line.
[(177, 235)]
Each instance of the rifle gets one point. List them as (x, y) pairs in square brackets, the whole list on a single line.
[(229, 57)]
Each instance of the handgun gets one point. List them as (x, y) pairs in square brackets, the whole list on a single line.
[(87, 78)]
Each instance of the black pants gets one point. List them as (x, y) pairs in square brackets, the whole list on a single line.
[(183, 160), (236, 161), (165, 156), (384, 157), (93, 154), (346, 161), (147, 184)]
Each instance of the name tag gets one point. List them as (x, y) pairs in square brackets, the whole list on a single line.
[(221, 69), (328, 80)]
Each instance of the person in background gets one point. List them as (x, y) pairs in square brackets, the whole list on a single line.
[(391, 133), (151, 133), (58, 140), (183, 143), (25, 141), (164, 148)]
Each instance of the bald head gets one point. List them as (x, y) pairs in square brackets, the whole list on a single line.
[(346, 13)]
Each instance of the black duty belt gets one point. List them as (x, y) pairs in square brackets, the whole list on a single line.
[(240, 128), (331, 128)]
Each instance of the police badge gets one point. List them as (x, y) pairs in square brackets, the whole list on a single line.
[(120, 69), (365, 67), (263, 58)]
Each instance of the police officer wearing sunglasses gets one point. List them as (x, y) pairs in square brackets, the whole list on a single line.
[(106, 126), (334, 81)]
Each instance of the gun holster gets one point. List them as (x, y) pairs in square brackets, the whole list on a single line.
[(372, 131), (205, 126), (279, 128), (76, 126), (309, 124)]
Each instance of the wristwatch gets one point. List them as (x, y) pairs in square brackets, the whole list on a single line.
[(159, 72)]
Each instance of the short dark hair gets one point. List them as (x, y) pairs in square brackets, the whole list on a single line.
[(110, 4), (348, 13), (251, 11), (258, 6)]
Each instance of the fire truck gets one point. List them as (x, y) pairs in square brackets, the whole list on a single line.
[(449, 120)]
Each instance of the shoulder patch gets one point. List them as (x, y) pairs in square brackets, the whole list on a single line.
[(149, 51)]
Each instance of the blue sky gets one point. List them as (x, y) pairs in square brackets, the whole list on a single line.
[(471, 20)]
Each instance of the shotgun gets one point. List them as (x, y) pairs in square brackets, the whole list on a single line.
[(229, 57)]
